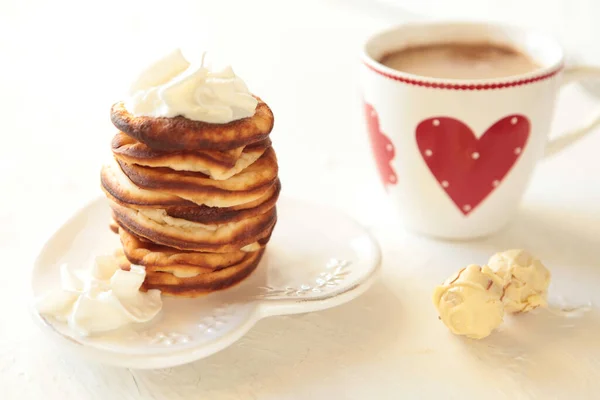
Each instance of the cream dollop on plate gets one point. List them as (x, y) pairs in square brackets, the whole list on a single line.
[(100, 299)]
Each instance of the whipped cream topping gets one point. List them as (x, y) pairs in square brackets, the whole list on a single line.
[(173, 86), (527, 280), (100, 299), (469, 302)]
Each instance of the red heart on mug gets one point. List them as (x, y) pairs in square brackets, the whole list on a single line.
[(382, 146), (467, 168)]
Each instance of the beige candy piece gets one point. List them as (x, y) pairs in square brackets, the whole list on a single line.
[(469, 302), (527, 280)]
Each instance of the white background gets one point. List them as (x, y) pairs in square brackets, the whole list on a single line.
[(64, 63)]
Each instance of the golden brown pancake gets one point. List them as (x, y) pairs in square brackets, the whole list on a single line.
[(203, 284), (209, 281), (218, 165), (156, 226), (179, 208), (248, 185), (116, 185), (179, 133), (159, 258), (221, 215), (199, 285)]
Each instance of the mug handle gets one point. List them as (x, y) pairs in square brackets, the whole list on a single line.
[(575, 74)]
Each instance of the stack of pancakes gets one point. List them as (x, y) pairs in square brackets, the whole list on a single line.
[(193, 202)]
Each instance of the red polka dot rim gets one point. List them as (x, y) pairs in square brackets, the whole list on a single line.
[(468, 86)]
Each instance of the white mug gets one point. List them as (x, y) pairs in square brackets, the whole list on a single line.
[(456, 155)]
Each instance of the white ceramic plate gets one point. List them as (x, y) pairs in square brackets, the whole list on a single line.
[(317, 258)]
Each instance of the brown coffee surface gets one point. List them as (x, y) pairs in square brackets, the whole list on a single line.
[(460, 61)]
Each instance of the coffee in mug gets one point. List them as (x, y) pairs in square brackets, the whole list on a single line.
[(460, 61)]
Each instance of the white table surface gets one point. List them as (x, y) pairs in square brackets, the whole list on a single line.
[(64, 63)]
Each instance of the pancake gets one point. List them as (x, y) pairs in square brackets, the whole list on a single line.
[(179, 133), (159, 258), (116, 185), (248, 185), (209, 282), (119, 189), (221, 215), (199, 285), (203, 284), (158, 227), (217, 165)]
